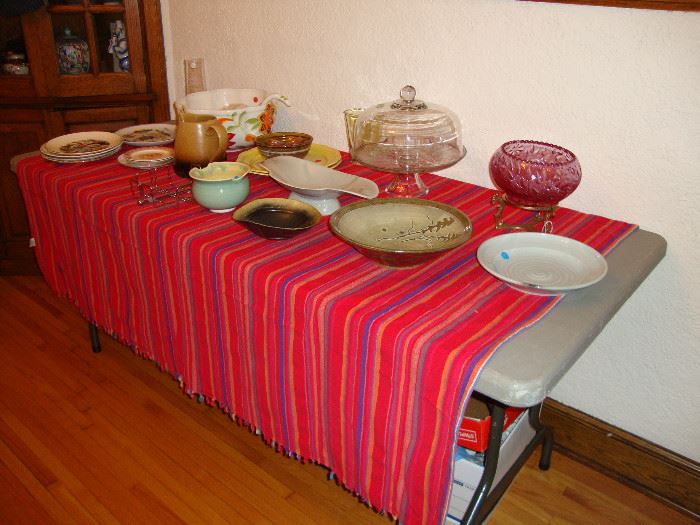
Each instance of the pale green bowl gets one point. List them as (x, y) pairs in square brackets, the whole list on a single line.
[(221, 186)]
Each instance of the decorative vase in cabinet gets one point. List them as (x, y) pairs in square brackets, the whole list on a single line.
[(73, 54)]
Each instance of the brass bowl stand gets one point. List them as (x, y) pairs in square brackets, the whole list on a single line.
[(544, 215)]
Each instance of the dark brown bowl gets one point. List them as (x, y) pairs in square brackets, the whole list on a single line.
[(291, 143), (277, 218)]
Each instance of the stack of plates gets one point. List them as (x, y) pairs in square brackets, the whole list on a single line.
[(147, 158), (81, 147)]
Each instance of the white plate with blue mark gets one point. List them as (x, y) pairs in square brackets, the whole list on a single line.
[(541, 263)]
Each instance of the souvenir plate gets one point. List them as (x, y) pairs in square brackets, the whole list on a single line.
[(149, 154), (542, 263), (148, 134), (323, 155), (83, 144), (147, 157)]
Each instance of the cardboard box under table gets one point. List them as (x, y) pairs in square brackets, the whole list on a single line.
[(469, 465), (473, 432)]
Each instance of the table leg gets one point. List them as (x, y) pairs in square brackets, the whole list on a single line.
[(544, 433), (485, 498), (471, 517), (94, 337)]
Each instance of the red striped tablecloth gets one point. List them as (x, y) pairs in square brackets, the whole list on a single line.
[(332, 357)]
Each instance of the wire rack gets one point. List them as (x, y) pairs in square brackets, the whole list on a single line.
[(158, 187)]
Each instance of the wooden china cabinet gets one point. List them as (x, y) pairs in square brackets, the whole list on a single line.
[(69, 66)]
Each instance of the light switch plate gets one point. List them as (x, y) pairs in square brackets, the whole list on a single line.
[(194, 75)]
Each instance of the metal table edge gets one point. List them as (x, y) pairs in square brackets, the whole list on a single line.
[(525, 369)]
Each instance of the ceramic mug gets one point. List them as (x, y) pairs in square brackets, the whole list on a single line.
[(199, 140)]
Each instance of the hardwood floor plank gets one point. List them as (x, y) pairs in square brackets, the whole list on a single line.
[(109, 438), (74, 507), (16, 446), (161, 509), (19, 490), (213, 466), (18, 505), (70, 445), (63, 504)]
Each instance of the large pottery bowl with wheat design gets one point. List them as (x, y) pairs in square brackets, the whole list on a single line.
[(401, 232)]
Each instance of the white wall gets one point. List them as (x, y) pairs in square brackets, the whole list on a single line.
[(619, 87)]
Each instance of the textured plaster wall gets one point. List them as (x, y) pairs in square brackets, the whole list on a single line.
[(619, 87)]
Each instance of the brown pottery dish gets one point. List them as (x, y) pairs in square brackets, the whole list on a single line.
[(400, 232), (277, 218), (284, 143)]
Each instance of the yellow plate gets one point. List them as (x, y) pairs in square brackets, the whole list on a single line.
[(324, 155)]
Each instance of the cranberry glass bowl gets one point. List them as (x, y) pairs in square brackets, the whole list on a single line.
[(534, 174)]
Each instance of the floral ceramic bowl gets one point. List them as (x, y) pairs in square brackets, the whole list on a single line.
[(245, 113)]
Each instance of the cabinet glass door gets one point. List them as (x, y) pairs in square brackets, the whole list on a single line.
[(15, 70), (97, 47)]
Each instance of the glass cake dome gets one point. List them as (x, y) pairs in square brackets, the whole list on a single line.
[(407, 137)]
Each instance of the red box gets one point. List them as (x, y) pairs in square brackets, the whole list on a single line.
[(474, 430)]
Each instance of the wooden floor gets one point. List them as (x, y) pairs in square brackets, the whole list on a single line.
[(108, 438)]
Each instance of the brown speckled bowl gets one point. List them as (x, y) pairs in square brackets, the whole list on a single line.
[(284, 143)]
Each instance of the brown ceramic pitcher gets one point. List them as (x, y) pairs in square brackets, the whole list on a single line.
[(199, 140)]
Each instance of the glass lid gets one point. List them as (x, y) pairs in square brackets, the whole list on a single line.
[(407, 136)]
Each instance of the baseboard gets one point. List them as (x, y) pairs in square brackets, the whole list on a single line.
[(642, 465)]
